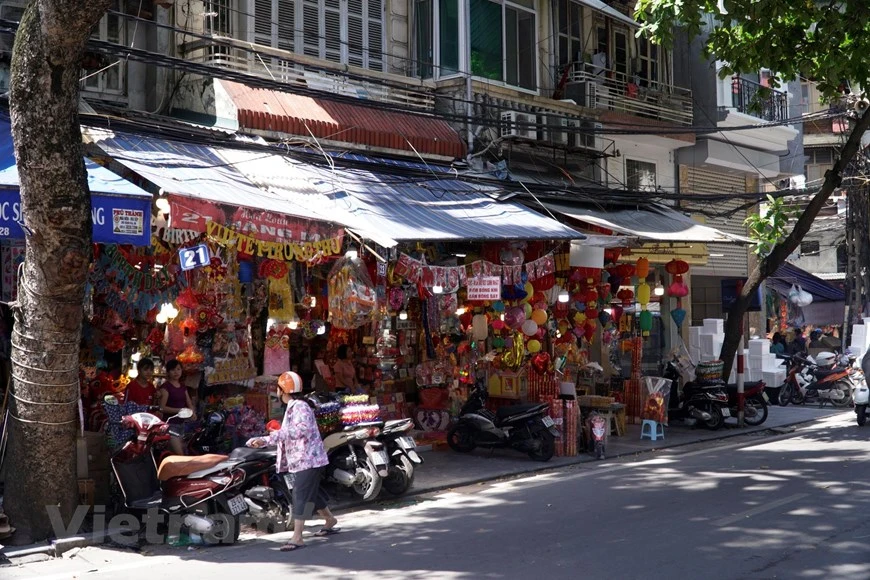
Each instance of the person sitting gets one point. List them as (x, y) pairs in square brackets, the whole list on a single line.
[(777, 345), (141, 390), (798, 345), (816, 339), (343, 369)]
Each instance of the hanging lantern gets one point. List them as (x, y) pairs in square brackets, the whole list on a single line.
[(479, 327), (645, 322), (677, 267), (678, 315), (626, 295), (678, 288), (643, 292), (616, 313), (642, 268)]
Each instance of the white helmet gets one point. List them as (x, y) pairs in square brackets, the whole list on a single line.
[(290, 383), (826, 359)]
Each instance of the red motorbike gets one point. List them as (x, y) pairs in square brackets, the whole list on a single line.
[(199, 494)]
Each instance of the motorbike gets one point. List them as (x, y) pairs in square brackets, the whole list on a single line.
[(266, 493), (826, 378), (755, 402), (707, 403), (210, 438), (402, 452), (203, 491), (526, 428)]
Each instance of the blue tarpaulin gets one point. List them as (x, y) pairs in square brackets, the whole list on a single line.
[(121, 211)]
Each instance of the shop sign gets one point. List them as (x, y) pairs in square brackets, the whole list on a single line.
[(484, 288), (287, 251), (193, 257), (274, 227), (116, 219)]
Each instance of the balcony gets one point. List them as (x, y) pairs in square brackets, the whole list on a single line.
[(746, 99), (298, 70), (600, 88)]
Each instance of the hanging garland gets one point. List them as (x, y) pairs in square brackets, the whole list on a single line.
[(311, 252), (451, 278)]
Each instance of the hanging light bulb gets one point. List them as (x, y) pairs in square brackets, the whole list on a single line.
[(659, 290), (351, 253), (563, 296), (437, 289), (270, 323), (162, 204), (461, 310), (293, 324), (403, 315), (321, 329), (133, 372)]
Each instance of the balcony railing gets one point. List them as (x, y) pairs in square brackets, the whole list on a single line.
[(600, 88), (746, 99), (299, 70)]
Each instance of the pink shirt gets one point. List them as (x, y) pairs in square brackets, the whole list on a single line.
[(299, 444)]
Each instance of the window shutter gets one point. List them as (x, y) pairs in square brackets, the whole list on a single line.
[(355, 40), (332, 30), (286, 24), (263, 22), (311, 28), (375, 39)]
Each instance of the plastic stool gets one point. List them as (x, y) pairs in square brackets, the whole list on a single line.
[(655, 430)]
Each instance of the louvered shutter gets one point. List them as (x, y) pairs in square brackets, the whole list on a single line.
[(332, 30), (355, 40), (734, 257), (286, 24), (375, 37), (263, 22), (311, 32)]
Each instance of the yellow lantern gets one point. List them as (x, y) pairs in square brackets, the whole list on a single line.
[(641, 269), (643, 292)]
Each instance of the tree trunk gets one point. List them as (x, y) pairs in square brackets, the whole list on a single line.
[(44, 95), (770, 263)]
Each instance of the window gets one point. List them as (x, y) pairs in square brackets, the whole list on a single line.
[(810, 248), (818, 162), (111, 79), (570, 27), (640, 175), (437, 38), (811, 99), (649, 62), (503, 42), (345, 31)]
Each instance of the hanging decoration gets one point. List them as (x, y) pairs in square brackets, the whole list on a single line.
[(352, 296), (451, 278), (310, 252)]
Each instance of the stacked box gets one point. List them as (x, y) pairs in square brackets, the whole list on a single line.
[(714, 326), (705, 342)]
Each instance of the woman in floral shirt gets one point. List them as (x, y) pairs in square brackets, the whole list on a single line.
[(301, 458)]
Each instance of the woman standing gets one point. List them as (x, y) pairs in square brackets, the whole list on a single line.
[(301, 458), (173, 397)]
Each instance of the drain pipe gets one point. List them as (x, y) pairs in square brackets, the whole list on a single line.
[(469, 107)]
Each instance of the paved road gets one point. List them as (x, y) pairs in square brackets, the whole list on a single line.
[(750, 507)]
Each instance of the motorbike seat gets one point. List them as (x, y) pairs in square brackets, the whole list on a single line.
[(196, 466), (511, 410), (824, 373), (145, 503), (747, 386), (251, 453)]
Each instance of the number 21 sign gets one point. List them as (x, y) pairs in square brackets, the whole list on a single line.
[(194, 257)]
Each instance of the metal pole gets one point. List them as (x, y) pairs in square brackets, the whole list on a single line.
[(740, 366)]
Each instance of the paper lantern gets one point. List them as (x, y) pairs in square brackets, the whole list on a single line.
[(530, 328), (591, 313), (479, 327), (498, 324), (498, 306), (611, 255), (534, 346), (678, 288), (603, 317), (539, 316), (642, 268), (643, 292), (676, 267), (515, 317), (585, 256), (616, 313), (589, 330), (678, 315), (646, 318), (560, 310), (626, 295), (579, 319)]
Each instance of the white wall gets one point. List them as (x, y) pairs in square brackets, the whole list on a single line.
[(663, 157)]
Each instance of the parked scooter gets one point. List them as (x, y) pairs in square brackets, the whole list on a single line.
[(754, 402), (695, 402), (210, 437), (266, 493), (204, 491), (526, 428), (402, 451), (829, 377)]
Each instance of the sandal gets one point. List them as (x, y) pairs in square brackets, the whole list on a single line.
[(291, 547), (326, 532)]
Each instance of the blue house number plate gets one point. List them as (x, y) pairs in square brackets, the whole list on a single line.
[(194, 257)]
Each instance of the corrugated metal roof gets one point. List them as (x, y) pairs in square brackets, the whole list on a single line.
[(789, 274), (302, 115)]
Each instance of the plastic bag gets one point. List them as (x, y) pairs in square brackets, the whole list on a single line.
[(800, 297), (352, 299), (658, 391)]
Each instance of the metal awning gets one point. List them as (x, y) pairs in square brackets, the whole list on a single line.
[(655, 222), (610, 11), (789, 274)]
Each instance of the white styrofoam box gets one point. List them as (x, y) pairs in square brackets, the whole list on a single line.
[(756, 362), (707, 343), (753, 375), (866, 321), (773, 378), (713, 326), (759, 346), (695, 336), (695, 354)]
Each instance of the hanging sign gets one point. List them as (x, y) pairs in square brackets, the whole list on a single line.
[(194, 257), (484, 288)]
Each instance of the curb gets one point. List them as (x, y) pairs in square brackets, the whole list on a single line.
[(62, 545)]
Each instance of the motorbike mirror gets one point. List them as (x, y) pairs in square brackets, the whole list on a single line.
[(185, 414), (111, 400)]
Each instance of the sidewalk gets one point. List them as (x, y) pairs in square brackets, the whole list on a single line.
[(445, 469)]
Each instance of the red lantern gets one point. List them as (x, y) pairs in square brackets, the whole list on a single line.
[(676, 267), (591, 313), (611, 255), (616, 313), (626, 295)]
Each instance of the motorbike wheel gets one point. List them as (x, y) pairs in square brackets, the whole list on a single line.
[(785, 392), (797, 397), (401, 477), (371, 483), (861, 411), (461, 438), (846, 399), (716, 419), (760, 408), (547, 449), (226, 528)]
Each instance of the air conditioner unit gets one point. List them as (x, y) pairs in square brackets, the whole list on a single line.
[(587, 135), (516, 124), (561, 130)]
